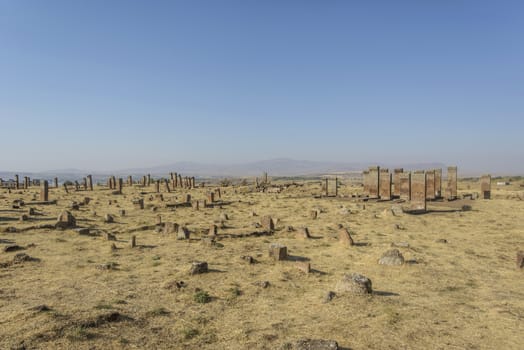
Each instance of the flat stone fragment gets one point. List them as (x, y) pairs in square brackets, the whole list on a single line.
[(315, 344), (391, 257)]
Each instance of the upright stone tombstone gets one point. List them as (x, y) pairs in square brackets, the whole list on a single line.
[(143, 182), (157, 186), (180, 184), (17, 183), (89, 182), (77, 186), (365, 181), (336, 186), (418, 191), (130, 180), (430, 184), (485, 186), (438, 183), (44, 191), (119, 185), (65, 188), (113, 180), (56, 182), (26, 182), (148, 180), (193, 182), (451, 190), (84, 183), (396, 182), (384, 184), (326, 187), (211, 197), (374, 179), (175, 179)]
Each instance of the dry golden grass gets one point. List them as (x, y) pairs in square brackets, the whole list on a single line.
[(464, 294)]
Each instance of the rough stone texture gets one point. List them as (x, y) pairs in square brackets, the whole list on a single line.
[(520, 260), (391, 257), (198, 267), (303, 266), (277, 251), (374, 179), (418, 191), (170, 227), (65, 220), (315, 344), (485, 186), (405, 186), (44, 191), (211, 197), (396, 182), (213, 231), (384, 184), (353, 283), (183, 233), (267, 223), (303, 233), (438, 183), (451, 190), (108, 218), (138, 203), (365, 182), (345, 238), (430, 184)]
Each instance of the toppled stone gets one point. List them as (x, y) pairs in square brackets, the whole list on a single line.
[(248, 258), (12, 248), (315, 344), (83, 231), (65, 220), (198, 267), (22, 257), (354, 283), (108, 218), (400, 244), (397, 210), (391, 257)]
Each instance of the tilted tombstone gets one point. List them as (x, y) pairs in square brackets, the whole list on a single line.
[(451, 190), (166, 185), (384, 184), (485, 186), (44, 191), (157, 186), (374, 178), (89, 182), (418, 191), (430, 184), (396, 181)]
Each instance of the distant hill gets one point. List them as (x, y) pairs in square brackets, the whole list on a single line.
[(274, 167)]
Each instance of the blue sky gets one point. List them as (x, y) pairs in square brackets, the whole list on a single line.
[(106, 85)]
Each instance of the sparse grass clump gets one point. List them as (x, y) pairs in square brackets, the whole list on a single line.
[(202, 297), (159, 311)]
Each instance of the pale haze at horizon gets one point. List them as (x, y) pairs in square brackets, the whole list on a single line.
[(124, 84)]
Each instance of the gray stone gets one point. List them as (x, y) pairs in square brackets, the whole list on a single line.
[(391, 257), (354, 283)]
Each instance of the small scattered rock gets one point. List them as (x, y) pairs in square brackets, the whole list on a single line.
[(391, 257), (315, 344), (329, 296), (262, 284), (354, 284), (108, 219), (198, 267), (441, 240)]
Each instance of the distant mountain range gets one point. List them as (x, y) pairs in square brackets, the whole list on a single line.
[(274, 167)]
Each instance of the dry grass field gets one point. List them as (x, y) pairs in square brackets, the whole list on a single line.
[(78, 293)]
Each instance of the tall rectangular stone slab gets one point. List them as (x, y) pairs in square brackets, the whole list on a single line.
[(418, 191), (130, 180), (374, 178), (405, 186), (384, 184), (396, 182), (17, 182), (44, 191), (365, 181), (89, 182), (430, 184), (451, 190), (438, 183), (485, 186)]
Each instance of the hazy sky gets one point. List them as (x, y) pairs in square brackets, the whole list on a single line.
[(106, 85)]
